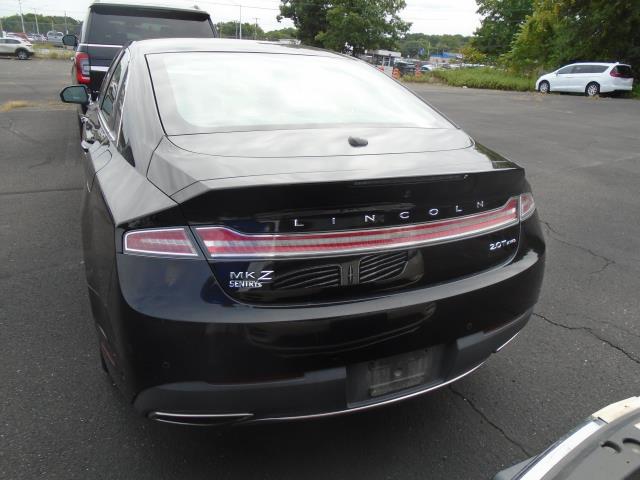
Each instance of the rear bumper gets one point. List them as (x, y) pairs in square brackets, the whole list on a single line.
[(316, 394)]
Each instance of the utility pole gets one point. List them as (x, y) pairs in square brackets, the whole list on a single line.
[(35, 12), (255, 30), (66, 29), (21, 17), (240, 21)]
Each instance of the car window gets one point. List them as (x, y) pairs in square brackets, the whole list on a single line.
[(199, 92), (120, 29), (624, 71), (110, 94), (589, 68), (598, 68), (565, 70), (117, 111)]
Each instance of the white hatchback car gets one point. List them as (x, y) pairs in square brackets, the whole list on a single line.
[(588, 78)]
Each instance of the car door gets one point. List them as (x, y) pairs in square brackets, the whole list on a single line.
[(580, 76), (562, 79), (3, 46)]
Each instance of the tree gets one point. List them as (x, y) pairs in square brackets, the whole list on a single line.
[(473, 55), (500, 24), (230, 30), (308, 16), (349, 26), (566, 31), (275, 35)]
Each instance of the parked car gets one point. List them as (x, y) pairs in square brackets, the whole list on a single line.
[(36, 37), (605, 445), (18, 35), (427, 68), (589, 78), (405, 68), (54, 37), (16, 47), (281, 245), (109, 26)]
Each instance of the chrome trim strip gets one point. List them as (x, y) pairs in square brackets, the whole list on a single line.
[(372, 405), (219, 416), (96, 68), (101, 45), (507, 342), (373, 232)]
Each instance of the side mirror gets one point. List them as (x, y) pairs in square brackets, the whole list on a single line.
[(78, 94), (70, 40)]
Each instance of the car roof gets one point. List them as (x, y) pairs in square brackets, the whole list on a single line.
[(593, 63), (156, 5), (175, 45)]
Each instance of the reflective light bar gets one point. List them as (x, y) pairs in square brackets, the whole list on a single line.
[(527, 206), (168, 241), (222, 242)]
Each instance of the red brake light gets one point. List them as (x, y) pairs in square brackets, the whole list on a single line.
[(527, 206), (222, 242), (169, 241), (614, 72), (83, 69)]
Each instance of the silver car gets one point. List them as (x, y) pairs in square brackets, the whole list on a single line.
[(16, 47)]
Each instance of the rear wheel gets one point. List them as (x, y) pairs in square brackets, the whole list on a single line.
[(592, 89), (22, 54), (544, 87)]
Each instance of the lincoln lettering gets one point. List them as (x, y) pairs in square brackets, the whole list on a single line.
[(380, 218)]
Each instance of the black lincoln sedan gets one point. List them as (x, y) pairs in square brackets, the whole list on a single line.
[(275, 232)]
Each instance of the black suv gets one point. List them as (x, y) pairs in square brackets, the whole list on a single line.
[(109, 26)]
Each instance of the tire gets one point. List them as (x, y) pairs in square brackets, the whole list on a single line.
[(544, 87), (592, 90), (22, 54)]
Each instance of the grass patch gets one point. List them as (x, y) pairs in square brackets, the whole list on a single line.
[(635, 93), (53, 53), (490, 78), (13, 104)]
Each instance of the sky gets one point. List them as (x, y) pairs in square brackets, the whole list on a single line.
[(427, 16)]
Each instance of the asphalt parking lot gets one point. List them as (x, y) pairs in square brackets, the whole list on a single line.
[(61, 418)]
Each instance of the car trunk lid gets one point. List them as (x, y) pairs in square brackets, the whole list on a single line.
[(304, 198)]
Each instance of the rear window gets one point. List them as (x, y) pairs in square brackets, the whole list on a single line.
[(201, 92), (113, 27), (589, 68), (624, 71)]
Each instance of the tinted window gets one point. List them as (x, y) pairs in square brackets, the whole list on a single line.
[(115, 29), (624, 71), (110, 95), (565, 70), (208, 91), (589, 68)]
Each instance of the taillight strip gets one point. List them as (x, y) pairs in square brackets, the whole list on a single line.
[(161, 241), (222, 242)]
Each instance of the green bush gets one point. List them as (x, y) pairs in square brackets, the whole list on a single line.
[(491, 78)]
